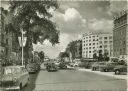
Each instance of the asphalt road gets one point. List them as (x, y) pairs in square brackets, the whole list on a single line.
[(69, 80)]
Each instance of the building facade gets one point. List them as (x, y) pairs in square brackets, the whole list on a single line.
[(120, 35), (93, 42)]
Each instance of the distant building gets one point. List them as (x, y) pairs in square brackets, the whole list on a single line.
[(106, 43), (92, 42), (120, 35)]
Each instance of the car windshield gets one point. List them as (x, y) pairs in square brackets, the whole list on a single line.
[(11, 70)]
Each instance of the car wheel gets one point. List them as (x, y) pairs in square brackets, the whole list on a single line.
[(117, 72)]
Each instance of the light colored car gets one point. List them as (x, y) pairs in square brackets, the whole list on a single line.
[(76, 64), (14, 78), (70, 66)]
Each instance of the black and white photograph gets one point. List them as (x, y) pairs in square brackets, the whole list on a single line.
[(63, 45)]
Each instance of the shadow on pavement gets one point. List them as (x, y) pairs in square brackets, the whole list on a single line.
[(32, 81)]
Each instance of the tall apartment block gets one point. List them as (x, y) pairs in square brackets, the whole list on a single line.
[(93, 42), (120, 35)]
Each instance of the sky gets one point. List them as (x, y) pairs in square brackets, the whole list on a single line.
[(73, 18)]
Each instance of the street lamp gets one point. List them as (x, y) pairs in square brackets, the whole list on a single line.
[(22, 42)]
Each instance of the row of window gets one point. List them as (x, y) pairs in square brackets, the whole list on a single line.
[(93, 36), (90, 48), (105, 42), (89, 52), (91, 44), (105, 46), (90, 40)]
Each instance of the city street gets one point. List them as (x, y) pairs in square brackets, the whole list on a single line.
[(73, 80), (66, 45)]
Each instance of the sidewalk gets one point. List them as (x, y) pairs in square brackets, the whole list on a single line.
[(111, 74)]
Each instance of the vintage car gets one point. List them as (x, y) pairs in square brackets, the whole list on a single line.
[(108, 67), (70, 66), (97, 65), (14, 78), (120, 69), (51, 67), (32, 67), (62, 65)]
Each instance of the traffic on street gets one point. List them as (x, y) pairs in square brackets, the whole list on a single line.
[(63, 45)]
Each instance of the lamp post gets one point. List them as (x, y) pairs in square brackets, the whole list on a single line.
[(22, 42)]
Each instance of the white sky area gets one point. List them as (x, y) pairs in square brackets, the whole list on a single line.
[(75, 18)]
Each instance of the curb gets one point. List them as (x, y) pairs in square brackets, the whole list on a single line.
[(105, 74)]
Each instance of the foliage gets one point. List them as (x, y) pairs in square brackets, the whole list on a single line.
[(34, 18), (63, 55), (41, 55), (95, 56), (27, 15), (72, 48)]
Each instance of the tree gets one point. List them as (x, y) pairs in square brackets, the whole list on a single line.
[(100, 57), (34, 18), (95, 56), (106, 58), (41, 55)]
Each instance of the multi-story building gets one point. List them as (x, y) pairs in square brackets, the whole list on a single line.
[(93, 42), (106, 43), (90, 42), (120, 35)]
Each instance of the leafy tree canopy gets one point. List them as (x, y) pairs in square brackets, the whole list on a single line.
[(34, 18)]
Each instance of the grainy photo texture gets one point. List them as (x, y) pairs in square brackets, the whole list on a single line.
[(63, 45)]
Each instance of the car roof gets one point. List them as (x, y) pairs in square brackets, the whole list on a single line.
[(13, 66)]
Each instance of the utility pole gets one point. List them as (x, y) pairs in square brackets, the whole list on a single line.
[(22, 48), (22, 42)]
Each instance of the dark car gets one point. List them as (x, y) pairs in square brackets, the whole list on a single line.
[(108, 67), (51, 67), (62, 65), (32, 67), (96, 66), (120, 69)]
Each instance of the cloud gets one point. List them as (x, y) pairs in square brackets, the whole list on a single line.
[(100, 25), (117, 6), (4, 4), (70, 21), (64, 5), (53, 51)]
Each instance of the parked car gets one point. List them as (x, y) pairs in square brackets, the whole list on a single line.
[(32, 67), (108, 67), (14, 78), (120, 69), (63, 65), (51, 67), (70, 66), (76, 64), (96, 66)]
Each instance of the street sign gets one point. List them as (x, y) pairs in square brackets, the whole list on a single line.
[(22, 40)]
